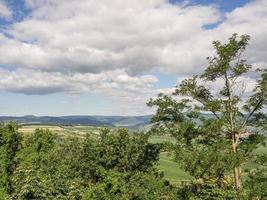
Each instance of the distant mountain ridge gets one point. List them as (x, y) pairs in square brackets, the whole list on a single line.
[(92, 120)]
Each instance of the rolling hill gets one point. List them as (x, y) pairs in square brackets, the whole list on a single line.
[(109, 121)]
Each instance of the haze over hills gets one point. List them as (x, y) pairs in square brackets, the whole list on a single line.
[(109, 121), (135, 122)]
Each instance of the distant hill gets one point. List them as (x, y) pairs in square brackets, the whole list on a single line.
[(109, 121), (133, 122)]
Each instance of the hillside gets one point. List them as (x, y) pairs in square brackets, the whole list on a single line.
[(109, 121)]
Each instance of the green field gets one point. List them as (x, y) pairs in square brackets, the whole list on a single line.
[(174, 173), (171, 169), (160, 139), (261, 150)]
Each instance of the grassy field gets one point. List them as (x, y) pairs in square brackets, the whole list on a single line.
[(175, 174), (31, 128), (167, 165), (261, 150), (171, 169), (160, 139), (62, 130)]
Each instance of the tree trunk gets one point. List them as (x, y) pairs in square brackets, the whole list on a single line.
[(237, 169), (237, 177)]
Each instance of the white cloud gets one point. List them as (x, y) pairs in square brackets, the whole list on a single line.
[(93, 36), (106, 46), (37, 82), (250, 19), (5, 12), (116, 85)]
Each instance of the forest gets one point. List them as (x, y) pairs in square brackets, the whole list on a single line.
[(219, 152)]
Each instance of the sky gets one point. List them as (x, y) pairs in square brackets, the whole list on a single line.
[(108, 57)]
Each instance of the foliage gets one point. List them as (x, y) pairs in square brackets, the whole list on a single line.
[(256, 182), (210, 125), (143, 186), (9, 146), (198, 190), (47, 166)]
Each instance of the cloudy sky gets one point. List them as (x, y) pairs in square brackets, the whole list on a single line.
[(108, 57)]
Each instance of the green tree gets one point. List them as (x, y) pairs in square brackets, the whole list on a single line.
[(31, 178), (117, 150), (256, 182), (128, 186), (120, 165), (10, 141), (53, 167), (209, 145)]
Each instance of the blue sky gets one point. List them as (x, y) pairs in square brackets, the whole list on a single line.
[(223, 5), (110, 57)]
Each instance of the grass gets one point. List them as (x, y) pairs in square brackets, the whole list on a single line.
[(171, 169), (261, 150), (161, 139), (252, 165), (32, 128), (174, 173), (79, 130)]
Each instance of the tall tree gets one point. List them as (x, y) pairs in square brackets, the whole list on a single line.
[(232, 110)]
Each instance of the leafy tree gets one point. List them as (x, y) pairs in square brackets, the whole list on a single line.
[(210, 145), (51, 167), (118, 151), (44, 171), (256, 180), (30, 180), (128, 153), (140, 185), (9, 145)]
